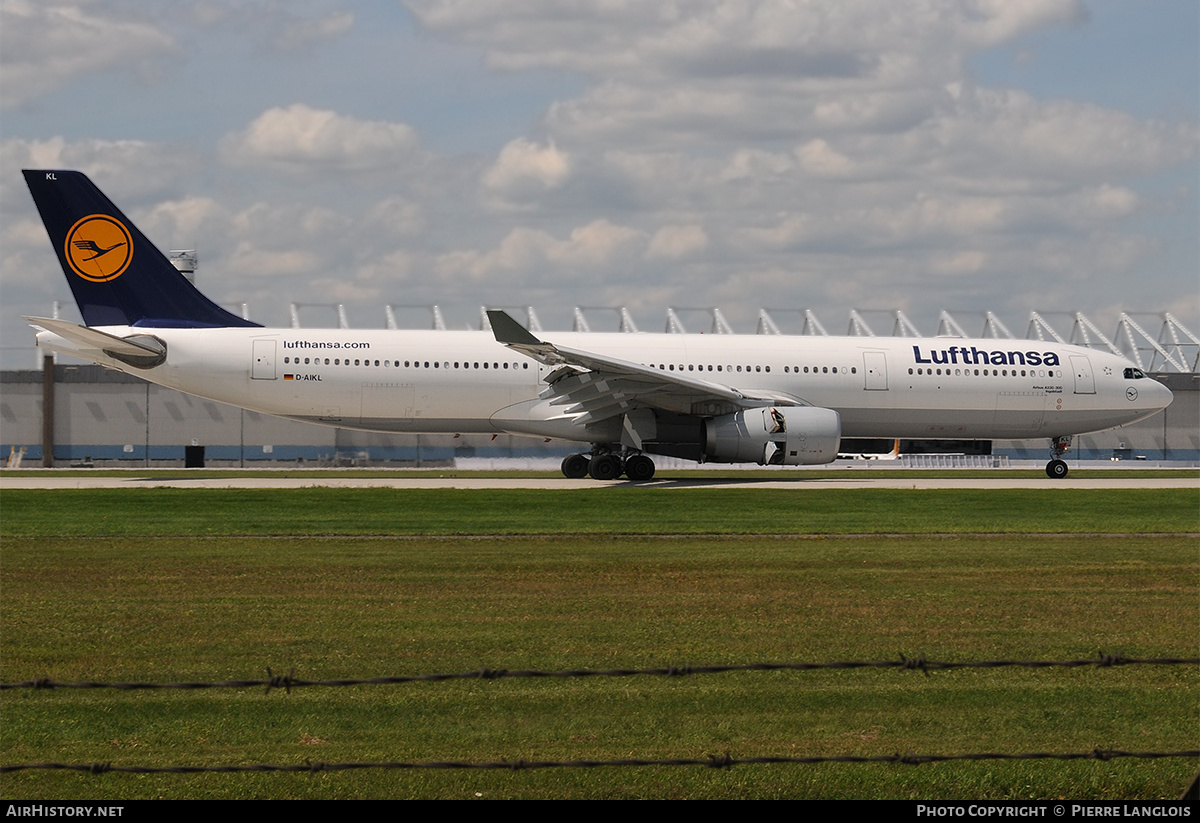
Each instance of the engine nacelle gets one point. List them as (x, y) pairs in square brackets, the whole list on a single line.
[(774, 436)]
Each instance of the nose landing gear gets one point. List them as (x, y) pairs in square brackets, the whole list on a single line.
[(1057, 467)]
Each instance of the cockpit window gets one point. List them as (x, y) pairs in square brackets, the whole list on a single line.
[(1134, 374)]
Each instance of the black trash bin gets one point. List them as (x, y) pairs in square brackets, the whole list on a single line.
[(193, 457)]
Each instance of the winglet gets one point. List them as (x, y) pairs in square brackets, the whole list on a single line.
[(509, 331)]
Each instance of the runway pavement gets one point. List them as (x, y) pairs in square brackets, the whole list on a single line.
[(797, 481)]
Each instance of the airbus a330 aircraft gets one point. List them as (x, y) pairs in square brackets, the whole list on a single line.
[(771, 400)]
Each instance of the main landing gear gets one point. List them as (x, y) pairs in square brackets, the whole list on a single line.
[(608, 466), (1057, 467)]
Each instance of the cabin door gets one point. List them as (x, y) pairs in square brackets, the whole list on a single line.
[(263, 365), (875, 371), (1084, 382)]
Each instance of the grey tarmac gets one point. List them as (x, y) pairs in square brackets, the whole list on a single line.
[(446, 480)]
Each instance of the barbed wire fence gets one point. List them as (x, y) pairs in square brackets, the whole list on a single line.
[(289, 681)]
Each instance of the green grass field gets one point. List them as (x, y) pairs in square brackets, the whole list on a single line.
[(164, 585)]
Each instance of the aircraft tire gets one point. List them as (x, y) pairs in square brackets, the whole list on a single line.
[(1056, 469), (575, 466), (605, 467), (639, 468)]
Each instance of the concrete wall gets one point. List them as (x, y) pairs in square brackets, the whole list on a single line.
[(106, 417)]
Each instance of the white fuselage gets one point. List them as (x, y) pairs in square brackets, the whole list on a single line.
[(466, 382)]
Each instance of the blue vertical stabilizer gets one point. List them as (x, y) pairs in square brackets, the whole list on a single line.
[(117, 276)]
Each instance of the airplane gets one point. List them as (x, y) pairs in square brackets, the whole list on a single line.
[(770, 400), (894, 454)]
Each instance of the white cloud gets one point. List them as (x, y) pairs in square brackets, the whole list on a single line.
[(302, 139), (48, 44), (676, 242), (394, 268), (991, 22), (820, 159), (301, 34), (129, 171), (249, 260), (397, 216), (525, 169), (730, 37), (192, 223), (596, 244), (1011, 133), (532, 254)]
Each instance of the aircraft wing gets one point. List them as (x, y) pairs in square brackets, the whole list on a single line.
[(597, 386)]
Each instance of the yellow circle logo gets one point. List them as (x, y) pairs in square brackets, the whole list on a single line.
[(99, 248)]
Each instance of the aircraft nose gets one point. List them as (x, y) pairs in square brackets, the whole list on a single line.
[(1162, 396)]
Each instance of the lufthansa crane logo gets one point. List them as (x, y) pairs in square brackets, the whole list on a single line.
[(99, 248)]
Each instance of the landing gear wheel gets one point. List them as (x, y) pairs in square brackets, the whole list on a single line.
[(639, 468), (605, 467), (1056, 469), (575, 466)]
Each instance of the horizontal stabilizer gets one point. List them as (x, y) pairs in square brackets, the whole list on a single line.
[(140, 350)]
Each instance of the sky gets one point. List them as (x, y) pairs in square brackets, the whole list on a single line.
[(968, 155)]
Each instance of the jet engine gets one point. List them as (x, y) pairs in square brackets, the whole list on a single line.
[(774, 436)]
